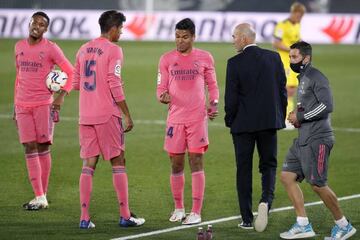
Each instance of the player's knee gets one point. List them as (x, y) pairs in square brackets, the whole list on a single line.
[(177, 162), (177, 167), (196, 162), (286, 178), (317, 188), (30, 147), (118, 161), (91, 162), (43, 147)]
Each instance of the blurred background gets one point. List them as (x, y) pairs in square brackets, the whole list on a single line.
[(315, 6), (326, 21)]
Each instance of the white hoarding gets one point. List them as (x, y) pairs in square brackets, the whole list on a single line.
[(211, 26)]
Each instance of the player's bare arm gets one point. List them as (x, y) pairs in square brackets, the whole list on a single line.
[(59, 100), (127, 118)]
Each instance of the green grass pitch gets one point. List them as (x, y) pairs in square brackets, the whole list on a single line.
[(148, 165)]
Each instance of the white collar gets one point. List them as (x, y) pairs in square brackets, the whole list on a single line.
[(250, 45)]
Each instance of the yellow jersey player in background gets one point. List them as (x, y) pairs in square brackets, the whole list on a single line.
[(287, 33)]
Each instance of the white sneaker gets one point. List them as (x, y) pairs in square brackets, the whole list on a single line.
[(262, 219), (192, 218), (37, 203), (339, 233), (297, 232), (133, 221), (177, 215)]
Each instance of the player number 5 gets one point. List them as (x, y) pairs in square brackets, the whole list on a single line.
[(90, 86)]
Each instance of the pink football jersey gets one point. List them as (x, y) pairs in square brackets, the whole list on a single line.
[(33, 63), (98, 77), (185, 78)]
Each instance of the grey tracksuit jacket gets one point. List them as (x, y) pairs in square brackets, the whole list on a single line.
[(314, 105)]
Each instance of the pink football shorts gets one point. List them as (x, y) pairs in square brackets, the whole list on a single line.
[(35, 124), (106, 139), (188, 136)]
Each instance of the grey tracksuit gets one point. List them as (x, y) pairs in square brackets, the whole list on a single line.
[(314, 105)]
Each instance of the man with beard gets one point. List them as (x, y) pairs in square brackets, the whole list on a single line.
[(35, 108)]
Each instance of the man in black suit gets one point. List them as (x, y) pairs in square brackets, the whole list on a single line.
[(255, 107)]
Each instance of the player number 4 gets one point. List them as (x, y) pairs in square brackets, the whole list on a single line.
[(170, 132)]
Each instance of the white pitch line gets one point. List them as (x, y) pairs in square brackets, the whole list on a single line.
[(162, 122), (166, 230)]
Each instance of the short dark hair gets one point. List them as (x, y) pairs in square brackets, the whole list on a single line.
[(304, 48), (110, 19), (43, 15), (186, 24)]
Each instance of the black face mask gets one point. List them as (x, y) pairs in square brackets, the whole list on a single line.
[(297, 67)]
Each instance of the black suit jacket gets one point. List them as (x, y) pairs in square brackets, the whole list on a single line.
[(255, 94)]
